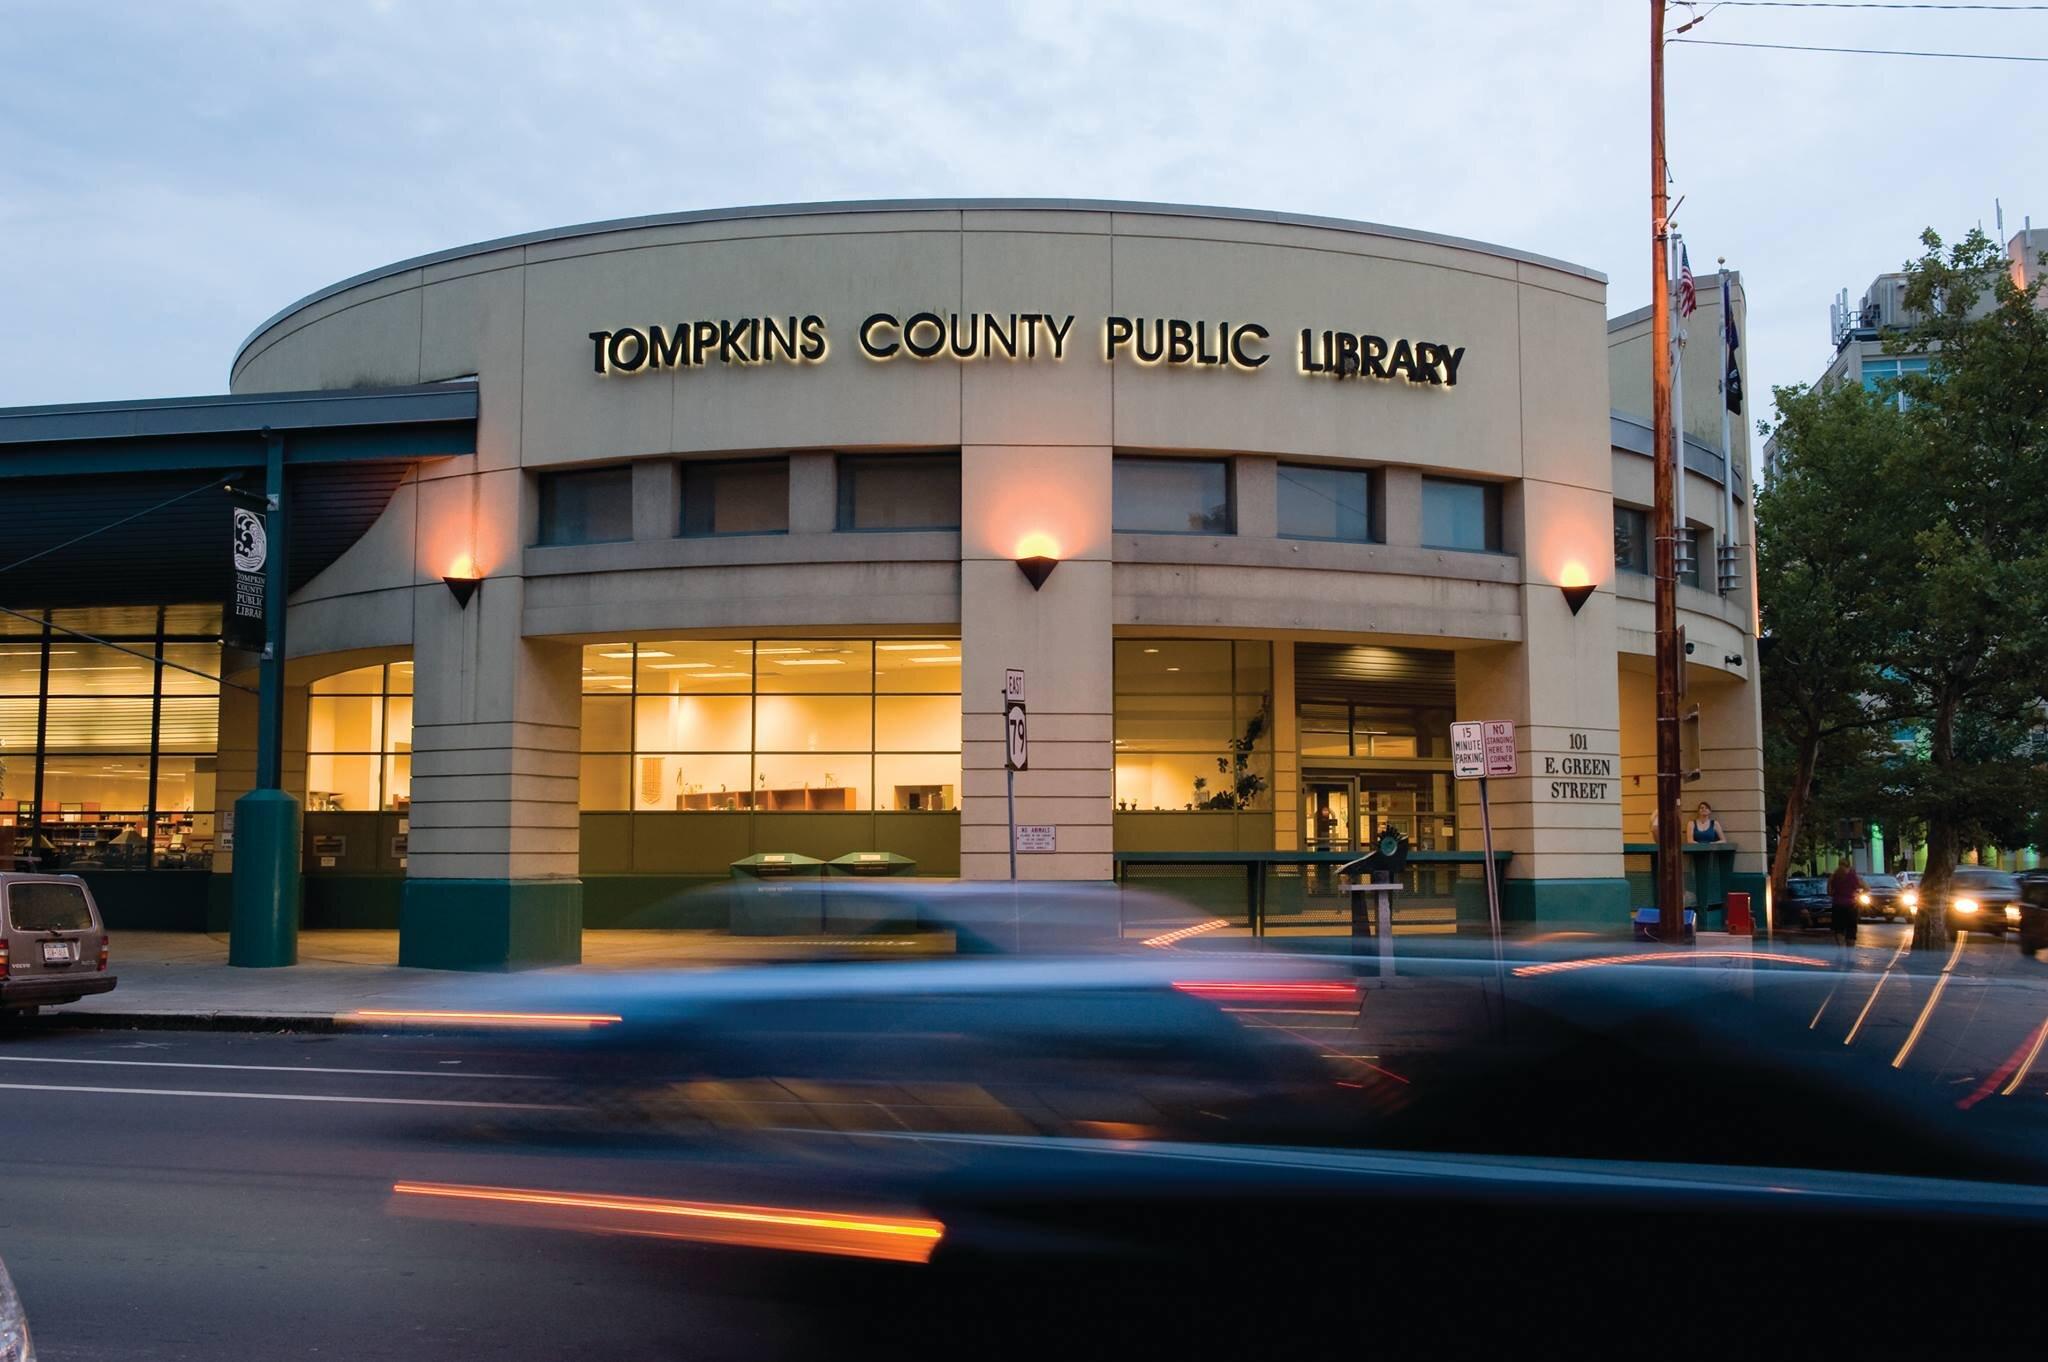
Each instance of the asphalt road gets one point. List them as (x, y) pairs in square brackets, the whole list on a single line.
[(170, 1195), (184, 1195)]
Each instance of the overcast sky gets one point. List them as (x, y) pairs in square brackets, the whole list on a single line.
[(171, 173)]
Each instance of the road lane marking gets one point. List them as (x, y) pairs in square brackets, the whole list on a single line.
[(1904, 946), (2026, 1063), (1920, 1023), (257, 1068), (281, 1097)]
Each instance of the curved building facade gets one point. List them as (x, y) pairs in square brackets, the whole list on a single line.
[(748, 498)]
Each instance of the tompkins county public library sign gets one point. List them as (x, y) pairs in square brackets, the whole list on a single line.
[(1022, 337)]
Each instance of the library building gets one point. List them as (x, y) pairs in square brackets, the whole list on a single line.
[(622, 559)]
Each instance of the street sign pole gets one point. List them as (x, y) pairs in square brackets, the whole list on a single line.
[(1016, 751), (1492, 883), (1480, 750)]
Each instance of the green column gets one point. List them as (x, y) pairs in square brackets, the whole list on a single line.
[(265, 928)]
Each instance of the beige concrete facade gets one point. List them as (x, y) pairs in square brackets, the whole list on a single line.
[(494, 778)]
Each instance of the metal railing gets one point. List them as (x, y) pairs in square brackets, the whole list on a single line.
[(1301, 892)]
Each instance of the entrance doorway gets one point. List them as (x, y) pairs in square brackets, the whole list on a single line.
[(1347, 811)]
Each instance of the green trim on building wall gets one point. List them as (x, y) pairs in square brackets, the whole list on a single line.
[(155, 900), (1597, 904), (644, 901), (490, 924), (332, 900)]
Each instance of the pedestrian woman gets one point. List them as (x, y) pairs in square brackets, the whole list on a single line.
[(1706, 827), (1843, 887)]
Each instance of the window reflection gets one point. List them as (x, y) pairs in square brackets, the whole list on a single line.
[(771, 725), (107, 744), (359, 740)]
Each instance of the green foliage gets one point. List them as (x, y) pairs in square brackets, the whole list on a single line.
[(1245, 785)]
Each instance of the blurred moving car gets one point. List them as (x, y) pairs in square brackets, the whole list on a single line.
[(15, 1343), (1981, 899), (2034, 911), (1881, 899), (53, 942), (1805, 903)]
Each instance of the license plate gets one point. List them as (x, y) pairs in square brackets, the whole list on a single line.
[(59, 952)]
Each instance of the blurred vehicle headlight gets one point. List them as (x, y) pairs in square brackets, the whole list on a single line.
[(2012, 912), (1911, 898), (1864, 898), (1966, 905), (15, 1344)]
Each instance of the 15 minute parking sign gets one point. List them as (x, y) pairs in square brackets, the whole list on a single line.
[(1482, 749)]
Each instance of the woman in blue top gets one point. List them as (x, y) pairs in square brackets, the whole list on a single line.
[(1706, 827)]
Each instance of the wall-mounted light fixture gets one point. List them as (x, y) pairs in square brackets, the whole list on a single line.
[(1576, 586), (463, 580), (1037, 556), (1731, 659)]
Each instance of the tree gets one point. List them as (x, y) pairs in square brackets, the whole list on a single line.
[(1827, 559), (1968, 644)]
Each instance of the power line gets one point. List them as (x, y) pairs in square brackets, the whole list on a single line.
[(1870, 4), (1859, 51)]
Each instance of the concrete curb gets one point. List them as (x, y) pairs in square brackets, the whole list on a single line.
[(197, 1021)]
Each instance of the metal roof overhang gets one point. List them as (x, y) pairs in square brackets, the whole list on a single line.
[(68, 470)]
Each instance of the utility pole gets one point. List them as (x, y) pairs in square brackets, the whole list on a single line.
[(1670, 871)]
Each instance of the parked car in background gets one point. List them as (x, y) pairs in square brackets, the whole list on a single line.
[(53, 943), (1981, 899), (1806, 902), (1881, 898)]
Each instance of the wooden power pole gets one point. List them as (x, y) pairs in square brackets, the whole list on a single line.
[(1670, 870)]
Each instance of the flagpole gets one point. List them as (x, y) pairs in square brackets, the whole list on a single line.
[(1729, 515)]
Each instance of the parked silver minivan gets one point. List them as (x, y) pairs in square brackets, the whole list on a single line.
[(53, 942)]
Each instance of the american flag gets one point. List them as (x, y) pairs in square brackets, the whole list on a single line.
[(1688, 295)]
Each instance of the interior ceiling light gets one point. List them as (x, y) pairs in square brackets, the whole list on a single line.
[(912, 647)]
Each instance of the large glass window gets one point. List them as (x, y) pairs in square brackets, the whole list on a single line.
[(107, 747), (899, 492), (1460, 515), (1632, 539), (772, 725), (593, 506), (1171, 496), (359, 740), (1325, 503), (1883, 375), (746, 497), (1193, 725)]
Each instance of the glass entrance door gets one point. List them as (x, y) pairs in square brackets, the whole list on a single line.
[(1328, 808)]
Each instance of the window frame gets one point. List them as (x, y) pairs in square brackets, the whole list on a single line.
[(845, 470), (1648, 549), (1491, 512), (1229, 466), (712, 467), (1373, 531), (549, 479)]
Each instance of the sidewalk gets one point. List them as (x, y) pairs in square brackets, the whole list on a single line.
[(183, 979)]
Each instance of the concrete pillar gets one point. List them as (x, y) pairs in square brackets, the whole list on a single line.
[(657, 499), (1398, 518), (1258, 496), (813, 493), (491, 880), (1059, 635), (1561, 816)]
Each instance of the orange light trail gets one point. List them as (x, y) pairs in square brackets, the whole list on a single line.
[(370, 1014), (1561, 966), (1920, 1023), (898, 1239), (1301, 992), (1165, 939), (1904, 946), (2027, 1063)]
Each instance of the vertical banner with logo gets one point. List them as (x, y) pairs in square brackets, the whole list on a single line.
[(243, 624)]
